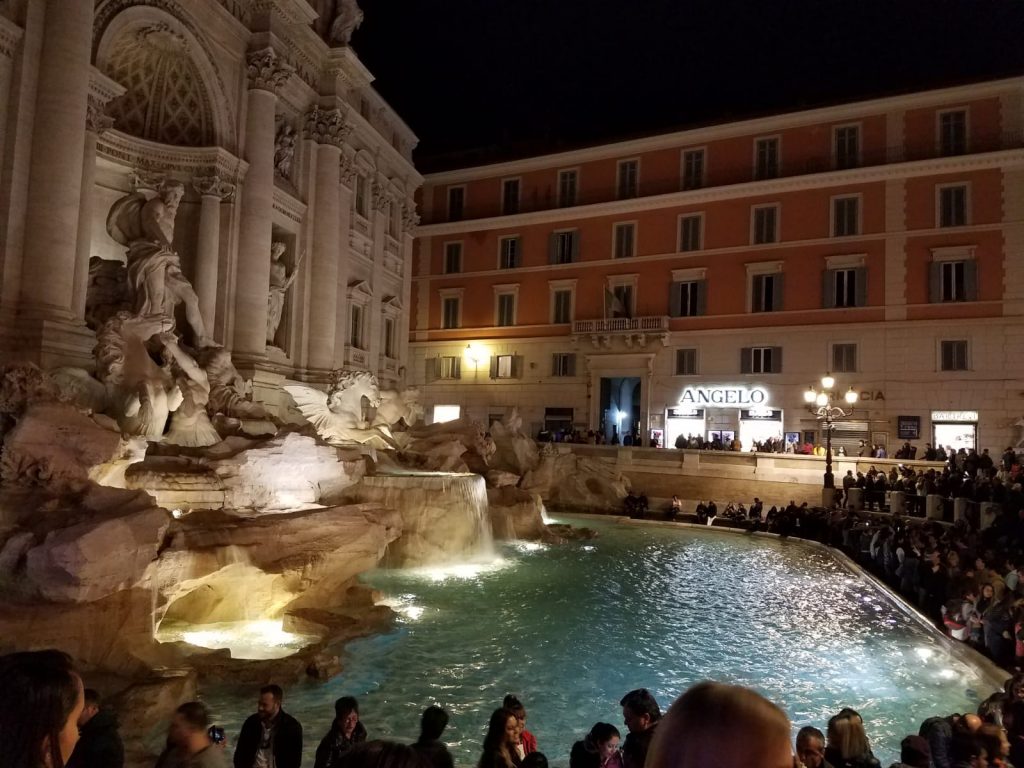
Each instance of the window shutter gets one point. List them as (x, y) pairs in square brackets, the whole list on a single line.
[(970, 280), (745, 357), (702, 298), (776, 359), (572, 364), (553, 248), (828, 289), (947, 356), (675, 308), (494, 366), (860, 275), (554, 363), (458, 368), (777, 292), (575, 246), (935, 282), (517, 366), (433, 372)]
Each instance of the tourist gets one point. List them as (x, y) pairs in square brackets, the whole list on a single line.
[(848, 745), (536, 759), (968, 752), (914, 753), (499, 749), (598, 749), (39, 711), (383, 754), (725, 726), (429, 745), (997, 747), (810, 748), (188, 743), (641, 713), (527, 742), (271, 738), (675, 508), (346, 731), (100, 744)]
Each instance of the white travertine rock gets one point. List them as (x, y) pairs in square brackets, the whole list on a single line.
[(516, 514), (564, 478)]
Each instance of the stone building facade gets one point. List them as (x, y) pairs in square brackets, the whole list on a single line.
[(698, 282), (277, 135)]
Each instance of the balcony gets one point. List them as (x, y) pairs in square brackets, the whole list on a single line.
[(634, 332)]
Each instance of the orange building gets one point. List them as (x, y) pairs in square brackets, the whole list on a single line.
[(697, 282)]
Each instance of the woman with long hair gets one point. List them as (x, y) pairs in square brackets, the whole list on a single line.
[(598, 749), (43, 697), (501, 739), (848, 745)]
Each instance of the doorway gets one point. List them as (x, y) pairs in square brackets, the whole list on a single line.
[(620, 409)]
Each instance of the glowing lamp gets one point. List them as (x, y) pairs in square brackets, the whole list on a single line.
[(827, 382), (821, 399), (851, 396), (810, 395)]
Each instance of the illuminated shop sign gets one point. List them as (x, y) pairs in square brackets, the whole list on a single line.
[(723, 396), (686, 413), (954, 415)]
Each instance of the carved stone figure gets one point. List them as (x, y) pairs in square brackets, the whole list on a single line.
[(140, 394), (280, 282), (190, 426), (107, 293), (284, 150), (227, 387), (155, 280), (398, 406), (337, 415), (348, 17)]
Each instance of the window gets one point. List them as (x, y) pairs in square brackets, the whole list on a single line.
[(954, 355), (847, 146), (761, 360), (563, 364), (690, 232), (394, 217), (509, 252), (954, 280), (451, 367), (452, 258), (693, 168), (766, 158), (953, 206), (845, 216), (766, 293), (564, 246), (567, 188), (356, 327), (360, 196), (561, 306), (627, 182), (619, 301), (456, 203), (450, 312), (845, 287), (844, 358), (506, 309), (766, 229), (506, 366), (389, 337), (686, 362), (625, 241), (953, 132), (510, 196), (687, 299)]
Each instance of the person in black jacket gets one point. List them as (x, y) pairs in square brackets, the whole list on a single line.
[(346, 731), (429, 746), (100, 744), (270, 733), (641, 713)]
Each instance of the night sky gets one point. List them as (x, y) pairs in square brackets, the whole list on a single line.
[(482, 80)]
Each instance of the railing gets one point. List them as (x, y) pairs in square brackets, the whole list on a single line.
[(621, 325)]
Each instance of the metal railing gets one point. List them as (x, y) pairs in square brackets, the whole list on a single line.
[(621, 324)]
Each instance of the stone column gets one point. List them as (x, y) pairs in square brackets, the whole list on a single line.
[(211, 190), (381, 203), (347, 176), (410, 220), (327, 128), (252, 273), (55, 178)]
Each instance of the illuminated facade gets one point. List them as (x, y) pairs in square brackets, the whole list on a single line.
[(655, 285)]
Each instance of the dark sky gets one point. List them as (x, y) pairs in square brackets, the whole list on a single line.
[(492, 79)]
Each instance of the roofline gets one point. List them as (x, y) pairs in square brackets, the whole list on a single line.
[(774, 122)]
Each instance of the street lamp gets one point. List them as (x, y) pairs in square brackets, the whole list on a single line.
[(821, 404)]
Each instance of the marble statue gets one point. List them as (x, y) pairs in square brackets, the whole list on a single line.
[(190, 426), (228, 395), (280, 282), (398, 406), (155, 279), (347, 18), (140, 394), (284, 150), (337, 415), (107, 293), (513, 422)]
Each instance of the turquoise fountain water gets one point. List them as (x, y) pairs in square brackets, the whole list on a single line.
[(571, 628)]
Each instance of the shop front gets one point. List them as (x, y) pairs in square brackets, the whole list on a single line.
[(723, 413), (958, 429)]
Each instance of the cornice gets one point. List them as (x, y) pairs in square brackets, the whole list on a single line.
[(289, 205), (102, 88), (131, 152), (696, 136), (1007, 158)]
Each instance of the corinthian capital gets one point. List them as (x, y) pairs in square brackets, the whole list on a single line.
[(326, 126), (267, 72), (96, 118), (348, 169), (410, 219), (213, 186)]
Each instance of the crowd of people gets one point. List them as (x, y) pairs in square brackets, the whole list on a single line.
[(45, 716)]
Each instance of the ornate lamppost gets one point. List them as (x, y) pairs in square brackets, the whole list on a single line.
[(822, 404)]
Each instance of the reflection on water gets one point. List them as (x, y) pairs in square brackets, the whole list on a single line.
[(571, 628)]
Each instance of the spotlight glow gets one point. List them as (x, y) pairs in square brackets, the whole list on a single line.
[(457, 571), (260, 639)]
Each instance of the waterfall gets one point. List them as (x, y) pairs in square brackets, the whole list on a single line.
[(471, 491)]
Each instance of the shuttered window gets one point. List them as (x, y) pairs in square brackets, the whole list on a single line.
[(845, 287), (563, 364), (761, 360), (954, 355), (844, 358), (951, 281), (686, 362), (766, 292)]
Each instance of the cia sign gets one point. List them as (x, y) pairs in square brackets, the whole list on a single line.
[(723, 396)]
